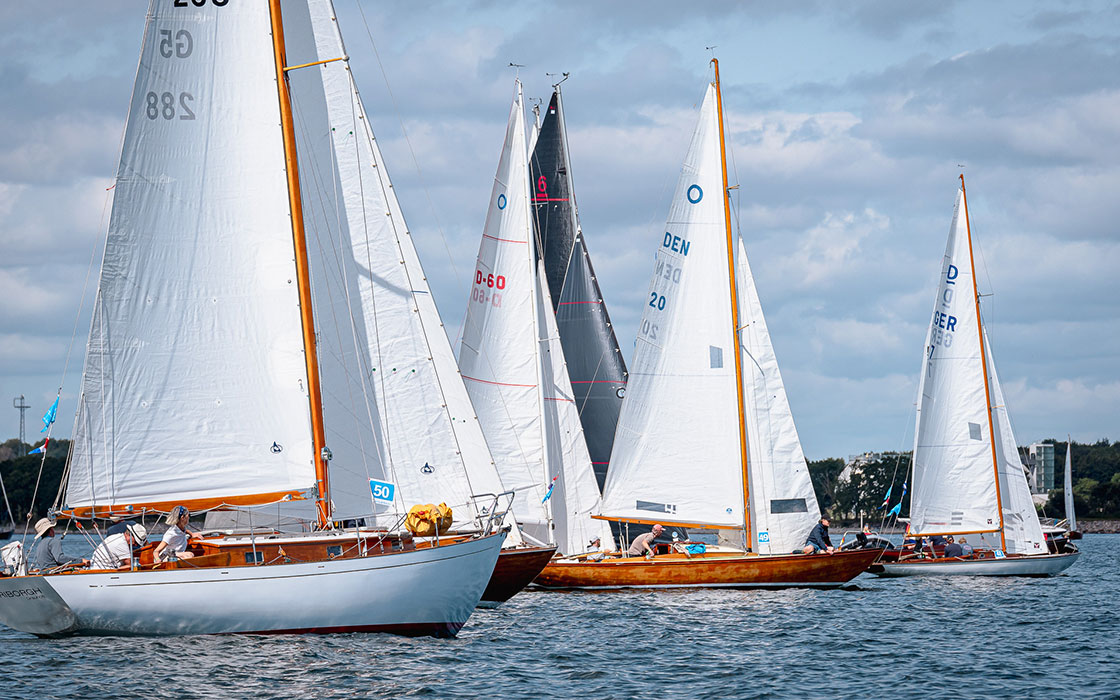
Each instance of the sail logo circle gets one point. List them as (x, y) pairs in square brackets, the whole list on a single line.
[(501, 201), (694, 198), (276, 448)]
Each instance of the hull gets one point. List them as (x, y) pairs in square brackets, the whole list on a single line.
[(719, 570), (429, 591), (1040, 565), (516, 569)]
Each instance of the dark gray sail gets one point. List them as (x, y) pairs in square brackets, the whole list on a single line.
[(595, 364)]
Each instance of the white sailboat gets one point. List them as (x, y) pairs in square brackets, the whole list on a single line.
[(706, 437), (212, 381), (514, 367), (968, 478), (1071, 516)]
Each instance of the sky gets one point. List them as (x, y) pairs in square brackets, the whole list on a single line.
[(848, 124)]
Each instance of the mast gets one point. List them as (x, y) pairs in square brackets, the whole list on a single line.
[(539, 334), (735, 317), (984, 368), (303, 277)]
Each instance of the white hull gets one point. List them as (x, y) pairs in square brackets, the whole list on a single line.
[(1041, 565), (421, 592)]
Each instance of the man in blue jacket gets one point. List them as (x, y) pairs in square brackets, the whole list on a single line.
[(818, 539)]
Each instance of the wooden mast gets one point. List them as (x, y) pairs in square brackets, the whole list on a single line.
[(734, 319), (303, 277), (984, 368)]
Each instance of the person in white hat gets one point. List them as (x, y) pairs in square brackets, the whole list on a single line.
[(115, 551), (48, 554)]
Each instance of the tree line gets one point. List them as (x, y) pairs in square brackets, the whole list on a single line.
[(861, 491), (19, 471)]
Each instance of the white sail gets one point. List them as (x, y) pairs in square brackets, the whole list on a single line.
[(954, 489), (783, 503), (395, 408), (676, 455), (1021, 530), (1071, 516), (500, 333), (194, 387), (575, 495)]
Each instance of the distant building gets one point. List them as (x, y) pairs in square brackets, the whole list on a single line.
[(1040, 460)]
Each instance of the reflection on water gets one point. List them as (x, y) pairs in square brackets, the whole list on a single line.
[(895, 638)]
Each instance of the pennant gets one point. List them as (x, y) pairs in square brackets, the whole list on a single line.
[(550, 487), (896, 510), (887, 498), (48, 417), (41, 449)]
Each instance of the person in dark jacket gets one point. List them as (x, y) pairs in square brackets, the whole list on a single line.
[(952, 549), (818, 540)]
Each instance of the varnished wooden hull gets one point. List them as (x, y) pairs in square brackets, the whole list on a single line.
[(709, 570), (516, 569)]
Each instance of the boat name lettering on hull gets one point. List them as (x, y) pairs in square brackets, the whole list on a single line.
[(28, 593)]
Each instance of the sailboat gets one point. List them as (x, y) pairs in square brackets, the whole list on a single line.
[(596, 368), (968, 477), (220, 358), (706, 438), (512, 360), (1060, 533)]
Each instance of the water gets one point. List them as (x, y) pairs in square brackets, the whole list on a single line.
[(892, 638)]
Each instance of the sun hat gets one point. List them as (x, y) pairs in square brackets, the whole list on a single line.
[(43, 525), (139, 533)]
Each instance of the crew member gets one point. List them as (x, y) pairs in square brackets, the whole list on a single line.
[(115, 551), (644, 543), (818, 540), (177, 538), (49, 554)]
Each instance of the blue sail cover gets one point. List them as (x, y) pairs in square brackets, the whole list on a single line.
[(595, 363)]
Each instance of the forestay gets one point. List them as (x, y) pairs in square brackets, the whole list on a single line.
[(954, 475), (783, 504), (676, 455), (194, 388)]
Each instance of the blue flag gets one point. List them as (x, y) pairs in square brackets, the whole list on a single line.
[(48, 417), (887, 498), (896, 510), (550, 487)]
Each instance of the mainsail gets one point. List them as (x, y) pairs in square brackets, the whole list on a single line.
[(194, 387), (783, 503), (954, 489), (595, 363), (394, 406), (676, 456), (512, 360)]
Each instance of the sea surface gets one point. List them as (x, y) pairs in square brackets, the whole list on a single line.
[(879, 638)]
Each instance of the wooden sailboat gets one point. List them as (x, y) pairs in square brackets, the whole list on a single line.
[(968, 478), (706, 438), (595, 365), (513, 364), (211, 381)]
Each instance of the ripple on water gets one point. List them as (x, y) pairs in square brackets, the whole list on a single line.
[(894, 638)]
